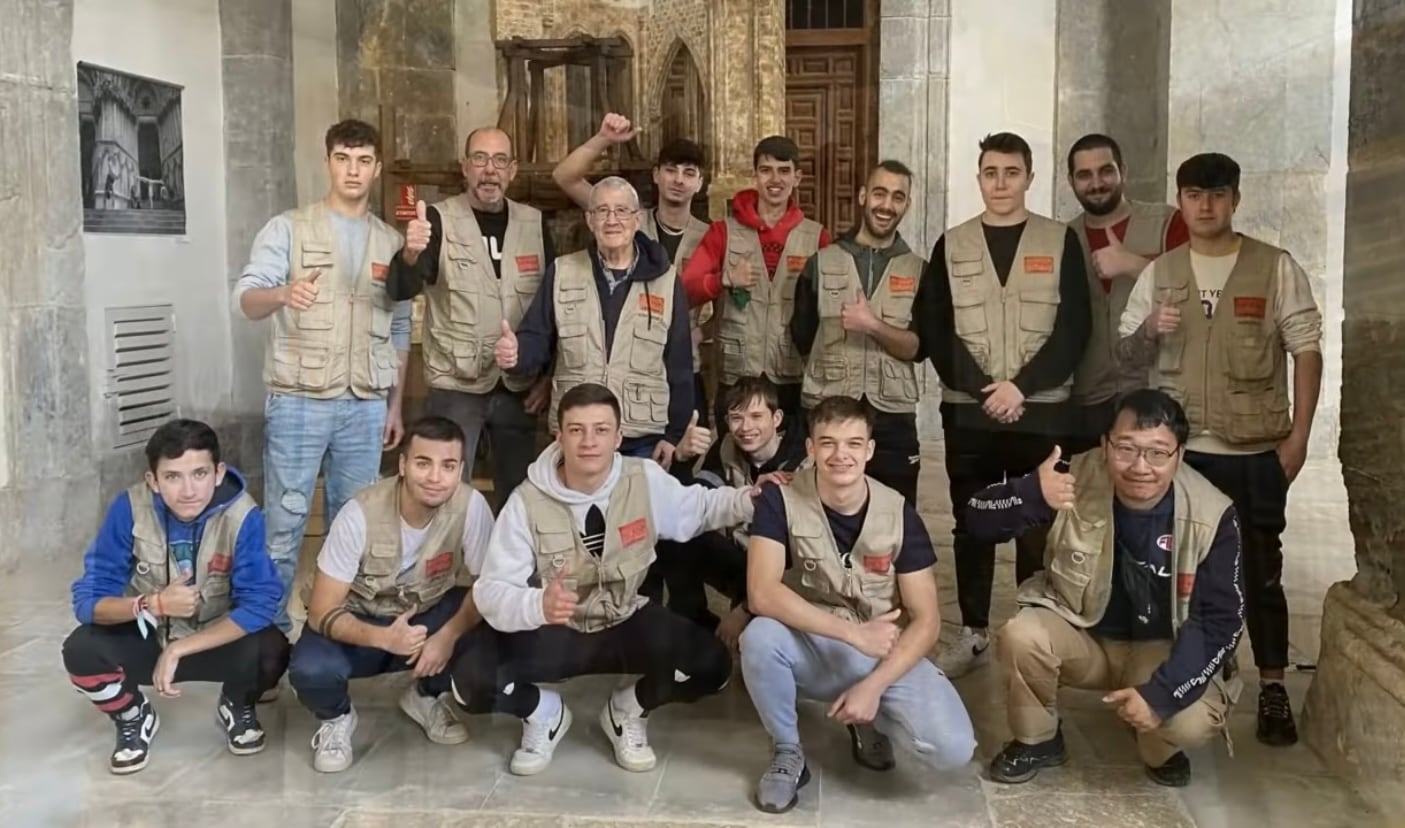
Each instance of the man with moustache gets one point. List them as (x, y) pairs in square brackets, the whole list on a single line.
[(1119, 237), (491, 252), (752, 260), (854, 320), (1005, 310), (1215, 321)]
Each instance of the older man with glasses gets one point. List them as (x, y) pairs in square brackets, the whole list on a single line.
[(615, 314)]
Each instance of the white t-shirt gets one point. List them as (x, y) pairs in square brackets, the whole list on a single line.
[(340, 557)]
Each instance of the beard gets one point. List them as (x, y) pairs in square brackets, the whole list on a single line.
[(1109, 202), (869, 226)]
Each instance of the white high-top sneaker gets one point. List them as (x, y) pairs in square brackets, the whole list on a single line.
[(970, 650), (331, 744), (541, 733), (626, 727)]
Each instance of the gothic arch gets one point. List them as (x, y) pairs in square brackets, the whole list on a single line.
[(681, 92)]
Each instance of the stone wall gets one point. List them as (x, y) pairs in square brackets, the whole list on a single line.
[(748, 84)]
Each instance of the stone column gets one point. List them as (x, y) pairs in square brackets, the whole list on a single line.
[(48, 484), (747, 89), (1355, 714)]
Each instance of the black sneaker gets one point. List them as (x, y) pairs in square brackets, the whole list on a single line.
[(1276, 727), (871, 749), (1019, 762), (134, 737), (1175, 773), (241, 726)]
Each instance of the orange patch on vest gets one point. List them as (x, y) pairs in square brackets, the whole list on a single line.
[(795, 264), (1184, 584), (528, 264), (220, 565), (877, 564), (439, 564), (651, 304), (1038, 264), (902, 284), (379, 272), (1253, 307), (634, 532)]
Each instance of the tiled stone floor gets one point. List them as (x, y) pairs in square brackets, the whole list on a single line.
[(53, 751)]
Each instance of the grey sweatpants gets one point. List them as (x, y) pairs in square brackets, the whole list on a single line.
[(921, 710)]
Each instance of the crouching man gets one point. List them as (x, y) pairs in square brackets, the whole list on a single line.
[(560, 588), (837, 560), (391, 593), (1141, 593), (178, 586)]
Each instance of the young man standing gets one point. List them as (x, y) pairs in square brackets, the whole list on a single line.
[(392, 593), (1216, 321), (752, 260), (1119, 237), (836, 560), (177, 586), (479, 258), (560, 589), (1005, 310), (335, 362), (854, 320)]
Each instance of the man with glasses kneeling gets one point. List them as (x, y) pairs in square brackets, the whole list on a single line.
[(1141, 593)]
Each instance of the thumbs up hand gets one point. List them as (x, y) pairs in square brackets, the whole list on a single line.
[(1115, 260), (302, 293), (403, 638), (558, 602), (696, 441), (505, 351), (857, 317), (417, 234), (1056, 486), (1165, 318), (876, 638)]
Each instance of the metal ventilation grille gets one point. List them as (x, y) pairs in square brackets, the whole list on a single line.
[(140, 371)]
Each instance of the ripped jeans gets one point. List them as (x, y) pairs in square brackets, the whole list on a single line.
[(300, 436)]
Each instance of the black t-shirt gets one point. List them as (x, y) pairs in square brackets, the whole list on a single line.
[(770, 522), (669, 240), (1002, 243), (494, 228), (1139, 606)]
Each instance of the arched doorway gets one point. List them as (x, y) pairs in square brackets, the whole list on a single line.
[(683, 100)]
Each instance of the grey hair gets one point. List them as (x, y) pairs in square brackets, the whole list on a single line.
[(614, 182)]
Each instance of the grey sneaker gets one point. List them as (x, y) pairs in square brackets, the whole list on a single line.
[(871, 749), (779, 788)]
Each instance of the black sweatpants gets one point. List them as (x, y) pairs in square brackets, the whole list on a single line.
[(679, 662), (711, 559), (977, 458), (108, 664), (897, 453), (1259, 488)]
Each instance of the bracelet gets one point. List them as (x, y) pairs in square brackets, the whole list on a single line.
[(160, 608)]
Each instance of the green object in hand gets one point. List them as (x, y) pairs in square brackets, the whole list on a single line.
[(741, 297)]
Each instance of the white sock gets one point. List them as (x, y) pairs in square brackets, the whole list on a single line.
[(626, 701), (548, 708)]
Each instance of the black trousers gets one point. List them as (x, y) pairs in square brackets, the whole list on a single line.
[(700, 400), (686, 569), (1090, 423), (787, 394), (108, 664), (1257, 485), (897, 453), (975, 459), (497, 672)]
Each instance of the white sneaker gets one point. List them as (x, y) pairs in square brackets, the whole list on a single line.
[(539, 740), (331, 744), (970, 650), (628, 731), (435, 715)]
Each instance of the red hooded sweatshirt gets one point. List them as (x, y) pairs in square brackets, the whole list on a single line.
[(702, 275)]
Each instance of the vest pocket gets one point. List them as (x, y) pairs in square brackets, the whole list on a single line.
[(968, 312), (647, 347), (1256, 417), (384, 365), (463, 305), (572, 352), (1070, 583), (214, 598), (1038, 311), (832, 295), (298, 367), (645, 405), (315, 256), (733, 355), (1251, 356), (897, 381), (880, 593)]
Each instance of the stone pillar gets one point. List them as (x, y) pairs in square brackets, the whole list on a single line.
[(48, 488), (1355, 714), (475, 74), (747, 90)]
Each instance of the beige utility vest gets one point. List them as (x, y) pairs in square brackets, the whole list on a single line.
[(868, 587), (1004, 327), (379, 589), (343, 341), (1099, 377), (465, 308), (1076, 581), (1230, 372), (606, 587), (153, 567), (852, 364), (755, 340), (634, 367), (692, 237)]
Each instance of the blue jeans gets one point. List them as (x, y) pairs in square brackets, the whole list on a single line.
[(321, 668), (300, 435)]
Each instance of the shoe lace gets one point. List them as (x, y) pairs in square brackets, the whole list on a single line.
[(244, 716), (534, 736), (333, 735), (441, 715), (786, 763), (129, 730), (1275, 703), (636, 733)]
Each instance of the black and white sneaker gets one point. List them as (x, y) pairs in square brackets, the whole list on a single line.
[(241, 726), (870, 748), (1019, 762), (134, 737)]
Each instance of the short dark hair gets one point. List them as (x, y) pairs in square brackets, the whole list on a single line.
[(893, 166), (436, 429), (352, 133), (778, 147), (839, 409), (1208, 171), (1150, 408), (681, 152), (1092, 141), (1007, 142), (748, 389), (473, 133), (175, 437), (587, 393)]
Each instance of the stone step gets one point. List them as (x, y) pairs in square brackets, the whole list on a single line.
[(163, 222)]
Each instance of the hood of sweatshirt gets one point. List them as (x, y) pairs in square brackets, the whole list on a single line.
[(651, 262), (230, 488), (746, 209), (545, 475)]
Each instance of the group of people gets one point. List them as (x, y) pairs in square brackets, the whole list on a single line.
[(1114, 395)]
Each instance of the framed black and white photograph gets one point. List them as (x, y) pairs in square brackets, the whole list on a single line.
[(129, 130)]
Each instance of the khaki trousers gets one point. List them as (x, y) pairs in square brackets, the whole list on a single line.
[(1041, 651)]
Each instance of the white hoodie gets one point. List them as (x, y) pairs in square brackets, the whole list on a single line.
[(680, 513)]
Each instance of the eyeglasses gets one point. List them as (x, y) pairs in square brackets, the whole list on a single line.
[(604, 213), (1127, 454), (481, 159)]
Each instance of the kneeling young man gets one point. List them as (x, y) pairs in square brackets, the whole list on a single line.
[(178, 586), (836, 561), (391, 593), (1106, 614), (560, 588)]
